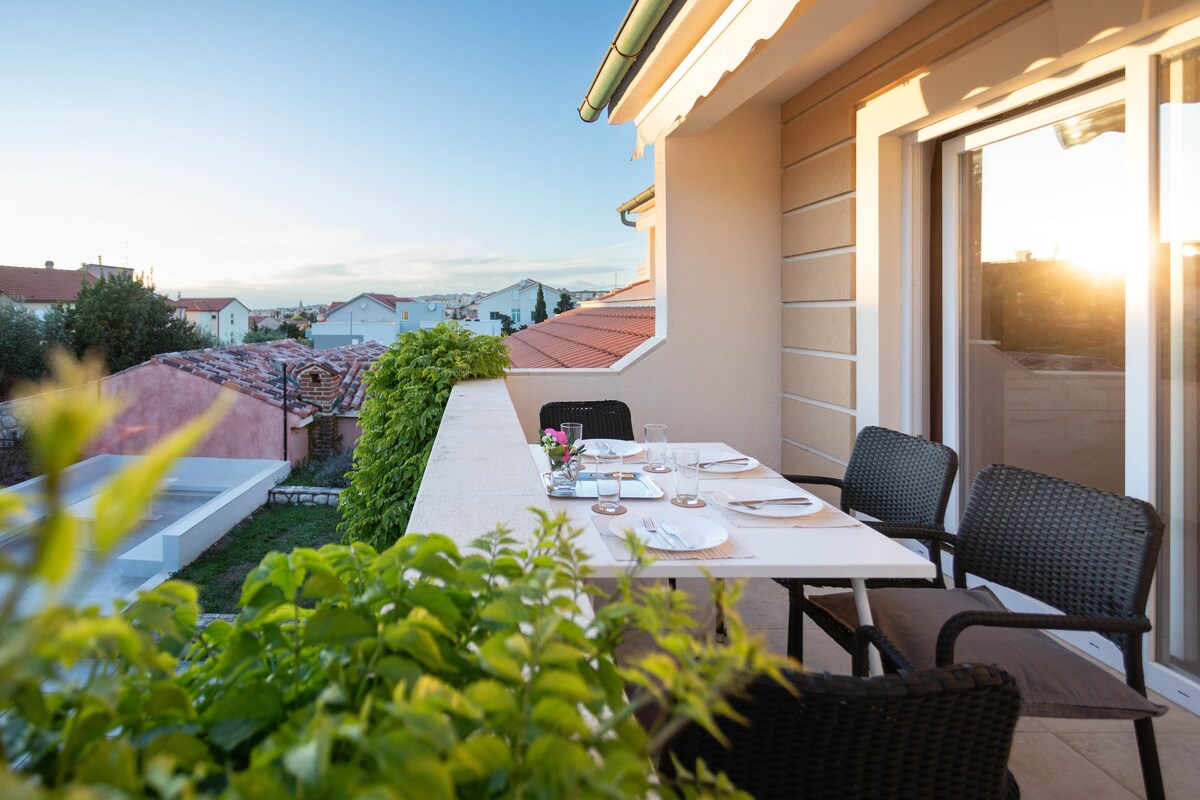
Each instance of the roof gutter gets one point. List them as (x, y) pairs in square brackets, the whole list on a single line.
[(629, 205), (639, 23)]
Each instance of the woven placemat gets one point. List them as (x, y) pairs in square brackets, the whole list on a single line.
[(827, 517), (616, 544)]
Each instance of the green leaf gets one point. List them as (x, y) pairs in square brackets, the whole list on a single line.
[(337, 626), (481, 756), (243, 711), (563, 684), (559, 715), (111, 762), (493, 697)]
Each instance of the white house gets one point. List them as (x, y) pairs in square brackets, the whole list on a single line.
[(226, 319), (517, 301), (374, 317)]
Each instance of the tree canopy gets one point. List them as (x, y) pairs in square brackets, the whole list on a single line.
[(128, 322), (20, 346), (565, 303)]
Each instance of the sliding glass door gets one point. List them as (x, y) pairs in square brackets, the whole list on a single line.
[(1178, 627), (1040, 229)]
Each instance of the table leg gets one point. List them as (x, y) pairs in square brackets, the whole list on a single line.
[(864, 618)]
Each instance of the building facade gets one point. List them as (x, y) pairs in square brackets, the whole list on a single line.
[(225, 319), (517, 302)]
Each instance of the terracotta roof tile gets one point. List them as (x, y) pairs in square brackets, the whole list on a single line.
[(616, 293), (252, 369), (42, 285), (582, 337)]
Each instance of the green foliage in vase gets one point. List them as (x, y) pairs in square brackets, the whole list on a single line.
[(421, 671), (407, 391)]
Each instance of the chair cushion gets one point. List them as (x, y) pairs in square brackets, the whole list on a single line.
[(1054, 681)]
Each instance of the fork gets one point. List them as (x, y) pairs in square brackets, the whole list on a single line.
[(742, 460), (606, 447)]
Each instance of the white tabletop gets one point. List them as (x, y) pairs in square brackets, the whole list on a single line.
[(855, 551)]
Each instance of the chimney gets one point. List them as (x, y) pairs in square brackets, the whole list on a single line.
[(319, 385), (49, 265)]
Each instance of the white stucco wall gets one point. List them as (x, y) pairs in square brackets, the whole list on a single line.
[(716, 375)]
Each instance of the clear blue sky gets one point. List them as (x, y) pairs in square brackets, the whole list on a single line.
[(280, 151)]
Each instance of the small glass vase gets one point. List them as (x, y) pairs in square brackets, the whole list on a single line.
[(563, 478)]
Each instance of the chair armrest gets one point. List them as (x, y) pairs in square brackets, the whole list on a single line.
[(820, 480), (868, 635), (944, 651), (909, 530)]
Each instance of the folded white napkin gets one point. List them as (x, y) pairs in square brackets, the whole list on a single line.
[(827, 517)]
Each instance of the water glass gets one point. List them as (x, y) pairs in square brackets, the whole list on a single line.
[(686, 461), (656, 447), (573, 430), (608, 484)]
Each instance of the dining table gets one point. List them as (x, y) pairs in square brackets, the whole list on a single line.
[(823, 543)]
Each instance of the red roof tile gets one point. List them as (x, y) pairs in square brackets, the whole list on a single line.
[(203, 303), (582, 337), (42, 285), (252, 369)]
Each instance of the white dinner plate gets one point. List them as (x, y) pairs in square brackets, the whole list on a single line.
[(725, 497), (722, 455), (700, 531), (621, 447)]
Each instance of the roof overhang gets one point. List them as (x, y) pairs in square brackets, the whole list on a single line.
[(760, 51)]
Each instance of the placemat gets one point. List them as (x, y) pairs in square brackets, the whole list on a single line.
[(616, 545), (827, 517)]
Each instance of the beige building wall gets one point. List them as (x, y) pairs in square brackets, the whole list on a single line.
[(817, 236), (715, 374)]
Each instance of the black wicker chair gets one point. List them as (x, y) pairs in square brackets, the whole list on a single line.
[(939, 733), (1087, 553), (904, 482), (601, 419)]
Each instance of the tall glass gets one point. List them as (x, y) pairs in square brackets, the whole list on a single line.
[(608, 484), (573, 430), (686, 462), (656, 447)]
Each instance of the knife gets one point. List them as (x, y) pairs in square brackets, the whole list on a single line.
[(799, 501), (665, 528)]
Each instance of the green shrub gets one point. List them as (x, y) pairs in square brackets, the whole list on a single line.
[(407, 391), (419, 672)]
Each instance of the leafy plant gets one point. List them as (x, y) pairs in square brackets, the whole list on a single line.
[(407, 391), (421, 671)]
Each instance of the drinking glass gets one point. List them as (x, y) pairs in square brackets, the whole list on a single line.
[(573, 430), (656, 447), (686, 461), (608, 484)]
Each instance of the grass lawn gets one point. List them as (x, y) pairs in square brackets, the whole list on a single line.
[(220, 571)]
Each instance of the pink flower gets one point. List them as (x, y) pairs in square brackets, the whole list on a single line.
[(566, 456), (560, 436), (549, 431)]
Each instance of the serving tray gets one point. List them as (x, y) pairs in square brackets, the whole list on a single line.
[(634, 486)]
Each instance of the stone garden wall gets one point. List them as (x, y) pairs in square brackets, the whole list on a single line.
[(303, 496)]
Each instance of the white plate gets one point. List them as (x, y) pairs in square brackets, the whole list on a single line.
[(724, 498), (720, 455), (621, 447), (700, 531)]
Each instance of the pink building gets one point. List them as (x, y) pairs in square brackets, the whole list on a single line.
[(324, 393)]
